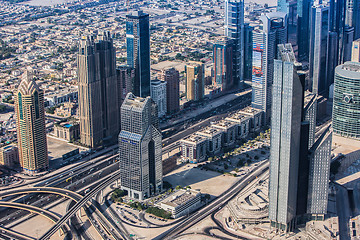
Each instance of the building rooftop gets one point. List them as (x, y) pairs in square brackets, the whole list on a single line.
[(180, 197), (238, 117), (210, 131), (224, 124), (250, 111), (194, 138), (349, 70)]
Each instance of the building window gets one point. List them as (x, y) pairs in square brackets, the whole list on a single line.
[(36, 100), (20, 106)]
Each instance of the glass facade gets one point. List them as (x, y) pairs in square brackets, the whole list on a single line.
[(138, 51), (140, 148), (234, 30), (346, 103), (285, 141)]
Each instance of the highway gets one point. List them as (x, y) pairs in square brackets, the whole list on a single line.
[(108, 180), (216, 204), (9, 234)]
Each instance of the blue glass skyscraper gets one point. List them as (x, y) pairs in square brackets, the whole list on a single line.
[(234, 30), (138, 51)]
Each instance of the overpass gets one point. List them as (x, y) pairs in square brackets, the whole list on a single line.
[(47, 214), (51, 190), (13, 234), (107, 181)]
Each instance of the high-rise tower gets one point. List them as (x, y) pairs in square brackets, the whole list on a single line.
[(30, 126), (265, 41), (171, 77), (140, 148), (234, 30), (223, 56), (319, 41), (138, 51), (285, 140), (98, 90)]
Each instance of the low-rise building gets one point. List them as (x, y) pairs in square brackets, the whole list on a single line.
[(243, 124), (9, 156), (193, 148), (213, 136), (59, 96), (66, 110), (256, 117), (69, 131), (229, 130), (181, 202)]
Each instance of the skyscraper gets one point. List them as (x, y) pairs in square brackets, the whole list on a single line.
[(248, 50), (285, 140), (265, 41), (310, 116), (195, 74), (234, 30), (140, 148), (222, 57), (98, 90), (125, 81), (319, 37), (30, 126), (138, 51), (303, 29), (171, 77), (158, 95), (319, 173), (346, 104), (352, 16)]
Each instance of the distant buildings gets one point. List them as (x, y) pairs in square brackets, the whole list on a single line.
[(171, 77), (234, 30), (346, 103), (223, 65), (285, 140), (9, 156), (265, 40), (158, 95), (140, 148), (195, 84), (98, 91), (138, 51), (30, 124)]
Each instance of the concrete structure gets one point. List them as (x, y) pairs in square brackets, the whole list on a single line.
[(319, 40), (69, 131), (346, 102), (319, 173), (234, 30), (195, 85), (229, 131), (181, 202), (285, 140), (30, 125), (223, 65), (140, 148), (355, 52), (265, 40), (98, 92), (214, 137), (9, 156), (138, 51), (171, 77), (193, 148), (66, 110), (158, 94), (243, 124)]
